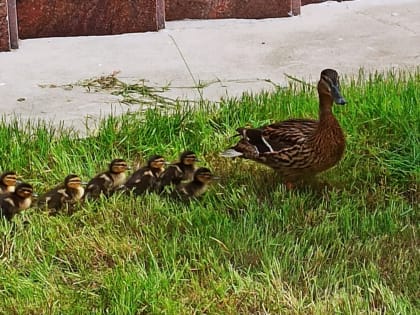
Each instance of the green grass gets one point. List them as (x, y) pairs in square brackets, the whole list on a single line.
[(249, 246)]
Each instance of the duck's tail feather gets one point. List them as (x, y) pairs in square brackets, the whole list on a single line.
[(231, 153)]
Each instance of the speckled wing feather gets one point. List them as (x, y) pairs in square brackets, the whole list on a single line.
[(274, 138), (289, 133)]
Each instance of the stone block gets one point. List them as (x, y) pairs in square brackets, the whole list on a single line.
[(46, 18), (219, 9), (305, 2), (4, 27)]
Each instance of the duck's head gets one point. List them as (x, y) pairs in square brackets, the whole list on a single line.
[(329, 85), (204, 175), (9, 179), (24, 190), (156, 162), (188, 158), (72, 181), (118, 166)]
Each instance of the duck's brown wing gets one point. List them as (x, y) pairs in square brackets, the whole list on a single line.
[(288, 133), (277, 136), (271, 139)]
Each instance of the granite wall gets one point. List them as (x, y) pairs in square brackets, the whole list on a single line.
[(219, 9), (4, 27), (305, 2), (46, 18)]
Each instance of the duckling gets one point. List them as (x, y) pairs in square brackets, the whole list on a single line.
[(298, 149), (197, 187), (179, 171), (14, 202), (107, 182), (64, 195), (147, 177), (7, 182)]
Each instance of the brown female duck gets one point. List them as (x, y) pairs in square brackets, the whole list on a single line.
[(298, 149)]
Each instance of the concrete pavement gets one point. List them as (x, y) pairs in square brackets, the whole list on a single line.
[(235, 55)]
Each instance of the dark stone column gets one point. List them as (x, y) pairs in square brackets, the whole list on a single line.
[(13, 26)]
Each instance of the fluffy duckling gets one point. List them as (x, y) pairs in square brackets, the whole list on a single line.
[(197, 187), (147, 177), (180, 171), (14, 202), (64, 195), (107, 182), (7, 182)]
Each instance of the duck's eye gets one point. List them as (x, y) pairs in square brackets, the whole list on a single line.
[(327, 83)]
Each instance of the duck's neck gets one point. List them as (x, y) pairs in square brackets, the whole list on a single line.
[(24, 203), (197, 187), (328, 127), (197, 183), (118, 178), (325, 107)]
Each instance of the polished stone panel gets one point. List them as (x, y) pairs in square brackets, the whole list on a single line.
[(305, 2), (47, 18), (218, 9), (4, 27)]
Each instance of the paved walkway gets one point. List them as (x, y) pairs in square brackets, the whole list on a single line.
[(236, 55)]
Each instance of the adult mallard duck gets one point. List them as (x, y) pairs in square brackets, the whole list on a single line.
[(179, 171), (298, 149), (64, 195), (8, 182), (146, 178), (107, 182), (14, 202)]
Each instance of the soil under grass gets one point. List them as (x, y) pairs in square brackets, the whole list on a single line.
[(249, 246)]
